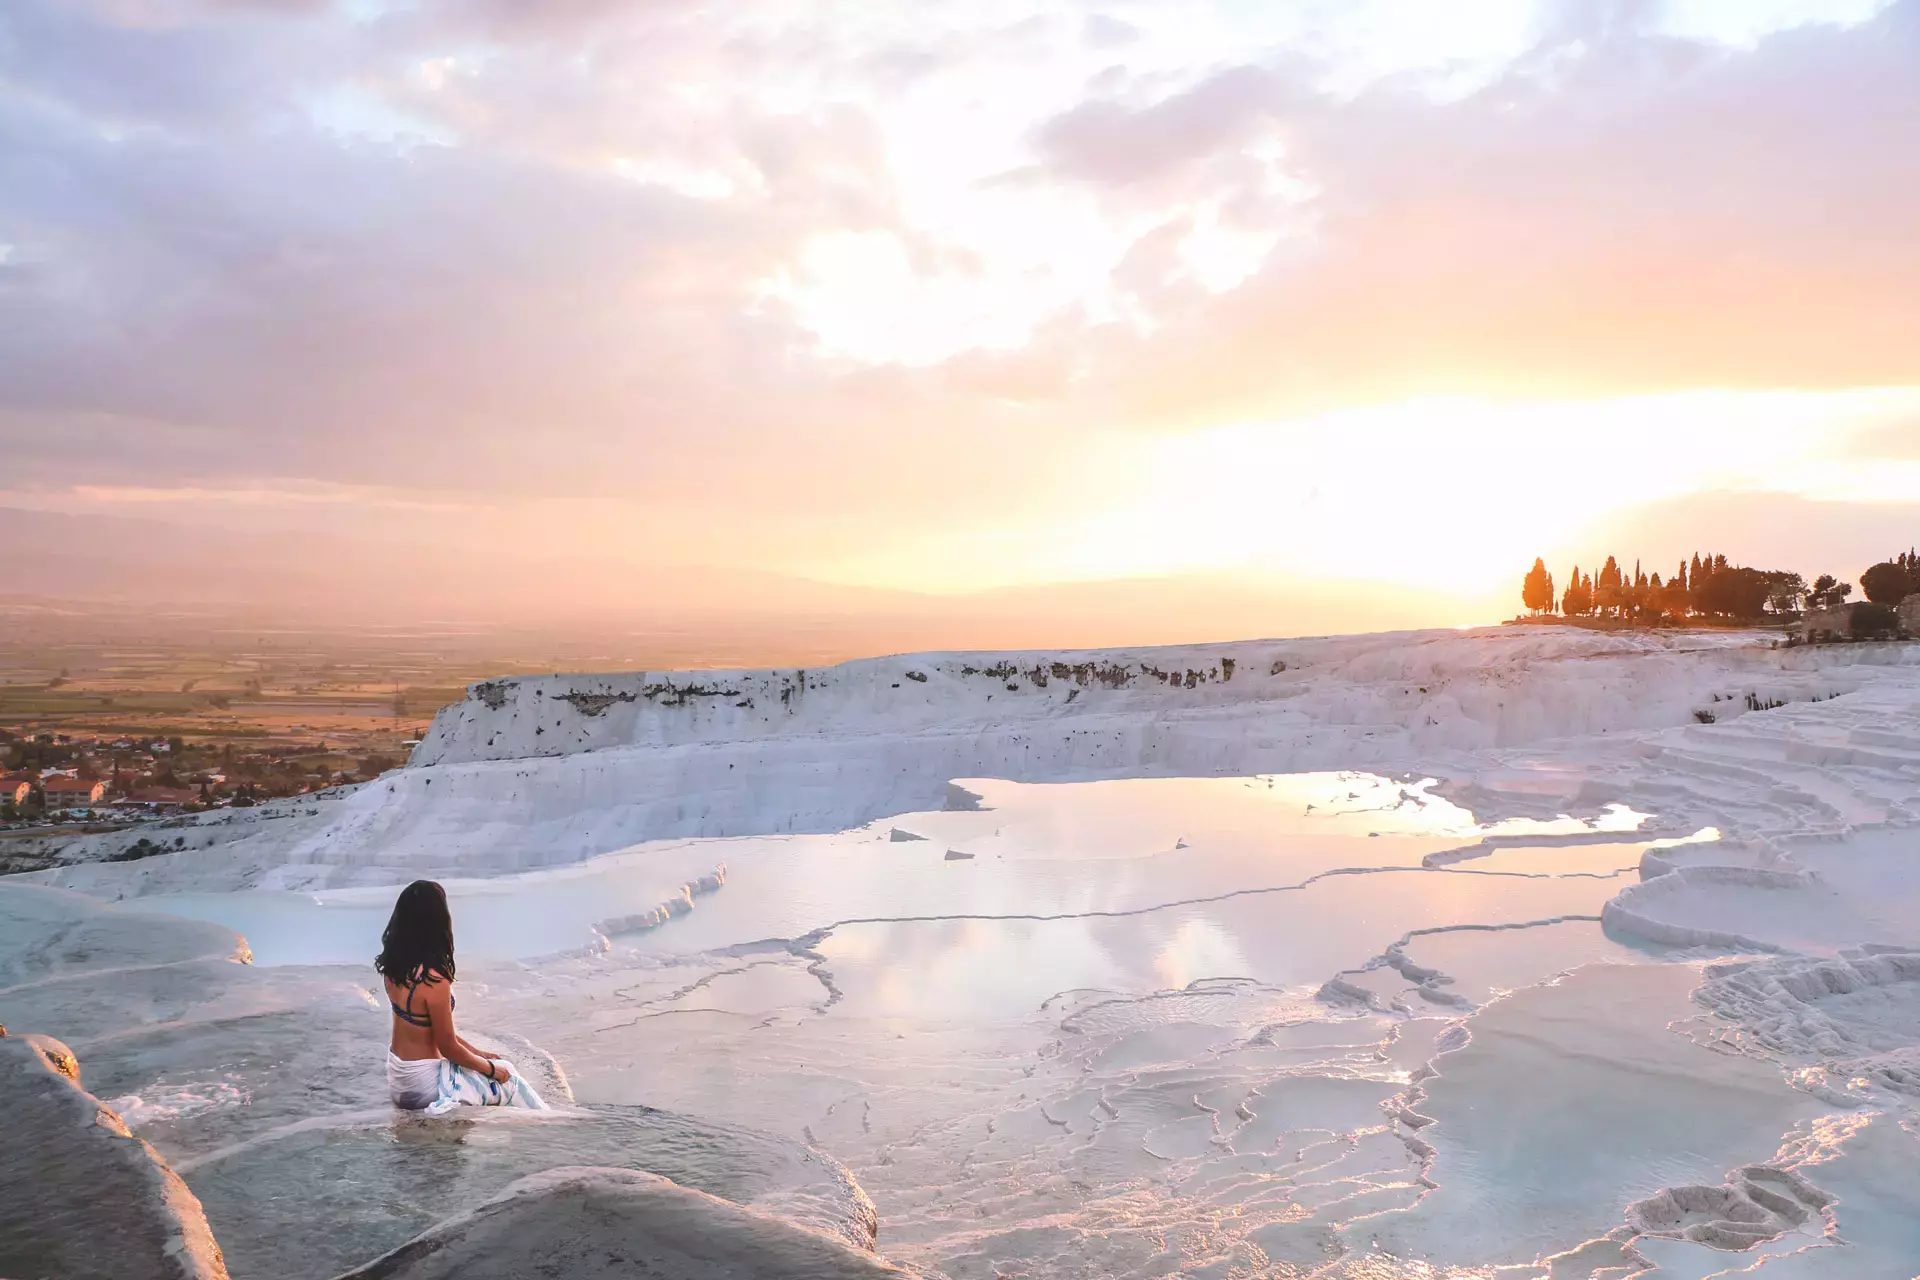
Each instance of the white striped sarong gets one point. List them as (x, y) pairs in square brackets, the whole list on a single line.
[(436, 1086)]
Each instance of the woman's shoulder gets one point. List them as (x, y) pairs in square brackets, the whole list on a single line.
[(427, 978)]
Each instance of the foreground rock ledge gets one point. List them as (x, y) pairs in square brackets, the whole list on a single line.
[(265, 1091), (83, 1199), (590, 1224), (80, 1197)]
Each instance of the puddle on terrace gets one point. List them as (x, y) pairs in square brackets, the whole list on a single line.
[(1001, 849)]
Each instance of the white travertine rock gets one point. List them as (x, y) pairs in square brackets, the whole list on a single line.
[(607, 1224), (80, 1197)]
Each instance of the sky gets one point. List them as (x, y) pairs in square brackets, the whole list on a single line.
[(963, 298)]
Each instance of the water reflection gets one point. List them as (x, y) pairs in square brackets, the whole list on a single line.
[(1034, 850)]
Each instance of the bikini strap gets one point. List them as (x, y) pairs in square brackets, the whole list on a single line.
[(407, 1015)]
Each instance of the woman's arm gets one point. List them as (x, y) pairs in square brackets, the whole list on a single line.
[(468, 1046), (438, 997)]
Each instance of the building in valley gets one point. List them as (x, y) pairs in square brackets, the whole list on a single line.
[(71, 793)]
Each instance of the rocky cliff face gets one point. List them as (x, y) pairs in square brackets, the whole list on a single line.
[(1475, 688), (81, 1198), (543, 716)]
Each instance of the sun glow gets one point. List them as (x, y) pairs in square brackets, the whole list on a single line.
[(1441, 494)]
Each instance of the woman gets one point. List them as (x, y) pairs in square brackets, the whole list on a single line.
[(429, 1067)]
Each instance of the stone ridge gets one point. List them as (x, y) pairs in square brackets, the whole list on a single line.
[(81, 1198), (598, 1223)]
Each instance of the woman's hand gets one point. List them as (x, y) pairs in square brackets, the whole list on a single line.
[(491, 1057)]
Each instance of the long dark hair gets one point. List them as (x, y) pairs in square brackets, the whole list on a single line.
[(418, 943)]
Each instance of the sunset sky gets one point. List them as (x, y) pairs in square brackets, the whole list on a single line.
[(953, 297)]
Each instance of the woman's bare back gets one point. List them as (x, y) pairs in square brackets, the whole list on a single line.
[(413, 1038)]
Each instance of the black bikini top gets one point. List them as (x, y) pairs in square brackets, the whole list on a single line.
[(408, 1016)]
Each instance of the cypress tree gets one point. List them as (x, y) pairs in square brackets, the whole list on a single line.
[(1536, 592)]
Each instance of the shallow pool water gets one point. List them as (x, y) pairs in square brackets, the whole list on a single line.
[(1000, 849), (1317, 1024)]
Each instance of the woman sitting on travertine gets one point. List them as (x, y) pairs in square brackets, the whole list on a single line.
[(429, 1067)]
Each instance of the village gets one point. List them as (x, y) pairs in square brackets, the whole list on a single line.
[(108, 721), (56, 778)]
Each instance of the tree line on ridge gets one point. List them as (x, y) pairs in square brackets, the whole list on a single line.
[(1709, 588)]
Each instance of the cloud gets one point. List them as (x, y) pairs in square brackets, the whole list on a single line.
[(259, 494), (351, 309), (174, 67), (523, 262), (1637, 214), (1104, 31), (1111, 143)]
